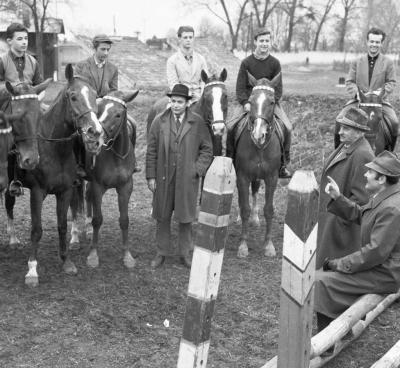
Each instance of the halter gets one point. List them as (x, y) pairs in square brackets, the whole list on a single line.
[(115, 99), (6, 130), (369, 104), (267, 88), (23, 97), (214, 83)]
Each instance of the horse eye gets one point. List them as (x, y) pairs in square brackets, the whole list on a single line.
[(118, 115), (73, 98)]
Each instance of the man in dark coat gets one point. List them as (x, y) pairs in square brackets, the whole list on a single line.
[(375, 268), (179, 152), (346, 165)]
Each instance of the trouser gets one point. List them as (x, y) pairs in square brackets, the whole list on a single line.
[(132, 130), (388, 114), (163, 238)]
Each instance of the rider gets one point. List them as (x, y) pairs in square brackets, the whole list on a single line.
[(103, 77), (372, 72), (261, 64), (185, 65)]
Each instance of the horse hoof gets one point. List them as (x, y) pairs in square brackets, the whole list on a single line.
[(243, 251), (270, 251), (129, 261), (31, 281), (74, 245), (92, 260), (69, 268)]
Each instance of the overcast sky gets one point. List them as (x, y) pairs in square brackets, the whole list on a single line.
[(150, 17)]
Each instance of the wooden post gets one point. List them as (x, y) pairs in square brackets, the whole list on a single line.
[(391, 359), (207, 260), (298, 269)]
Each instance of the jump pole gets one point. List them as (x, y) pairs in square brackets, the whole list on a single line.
[(391, 359), (208, 254), (298, 271)]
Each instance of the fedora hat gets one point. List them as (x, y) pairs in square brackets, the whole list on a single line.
[(180, 90), (354, 118), (102, 38), (386, 163)]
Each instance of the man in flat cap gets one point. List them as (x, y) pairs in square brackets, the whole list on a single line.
[(375, 268), (346, 165), (179, 152), (261, 64)]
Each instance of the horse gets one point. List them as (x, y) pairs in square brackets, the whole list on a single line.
[(74, 111), (212, 107), (113, 168), (6, 142), (258, 156)]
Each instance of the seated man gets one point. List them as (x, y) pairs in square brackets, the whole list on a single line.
[(103, 77), (375, 268), (261, 64), (372, 72)]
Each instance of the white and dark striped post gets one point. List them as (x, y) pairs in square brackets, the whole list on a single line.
[(207, 260), (298, 271)]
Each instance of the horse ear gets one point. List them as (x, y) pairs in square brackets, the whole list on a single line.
[(130, 96), (204, 76), (223, 75), (252, 80), (42, 86), (10, 88), (69, 72), (275, 80)]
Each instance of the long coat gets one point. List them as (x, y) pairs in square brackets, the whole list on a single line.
[(194, 156), (102, 83), (337, 237), (375, 268), (383, 75)]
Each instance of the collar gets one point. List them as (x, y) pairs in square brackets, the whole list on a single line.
[(187, 55), (181, 117), (381, 196), (259, 56), (15, 57), (99, 64), (372, 58)]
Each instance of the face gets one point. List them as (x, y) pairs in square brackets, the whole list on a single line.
[(178, 104), (348, 135), (374, 181), (102, 51), (263, 44), (187, 39), (19, 42), (374, 44)]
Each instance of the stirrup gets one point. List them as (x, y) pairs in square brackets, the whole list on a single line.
[(16, 188)]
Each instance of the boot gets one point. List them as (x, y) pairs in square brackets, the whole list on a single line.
[(284, 173)]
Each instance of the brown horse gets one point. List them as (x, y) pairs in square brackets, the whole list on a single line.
[(258, 156), (73, 112), (212, 107), (113, 168)]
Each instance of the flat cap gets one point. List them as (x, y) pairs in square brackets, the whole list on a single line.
[(102, 38), (386, 163)]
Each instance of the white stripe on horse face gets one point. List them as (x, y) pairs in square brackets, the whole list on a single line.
[(85, 94), (105, 112), (260, 101), (216, 106)]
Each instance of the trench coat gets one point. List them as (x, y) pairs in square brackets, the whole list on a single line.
[(194, 156), (338, 237), (375, 268)]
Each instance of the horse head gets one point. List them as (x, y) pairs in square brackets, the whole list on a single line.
[(24, 119), (214, 101), (261, 115), (5, 145), (113, 113), (82, 110)]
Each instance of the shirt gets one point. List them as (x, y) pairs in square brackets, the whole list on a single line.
[(371, 66)]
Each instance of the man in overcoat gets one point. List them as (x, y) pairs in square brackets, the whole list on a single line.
[(346, 165), (375, 267), (179, 152), (373, 72)]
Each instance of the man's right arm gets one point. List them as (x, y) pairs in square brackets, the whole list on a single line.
[(345, 208), (172, 75), (241, 85), (351, 86)]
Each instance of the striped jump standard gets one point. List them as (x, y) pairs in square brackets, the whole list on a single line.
[(207, 260)]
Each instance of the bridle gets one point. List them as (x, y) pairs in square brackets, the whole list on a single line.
[(208, 118), (5, 132), (18, 139)]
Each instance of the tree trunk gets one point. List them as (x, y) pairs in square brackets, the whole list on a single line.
[(291, 13)]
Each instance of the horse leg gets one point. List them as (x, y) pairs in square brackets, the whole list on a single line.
[(124, 194), (89, 213), (77, 213), (63, 202), (14, 242), (270, 186), (254, 219), (36, 200), (97, 193), (243, 192)]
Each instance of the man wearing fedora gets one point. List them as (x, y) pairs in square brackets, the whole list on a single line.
[(179, 152), (346, 165), (261, 64), (375, 267), (373, 72)]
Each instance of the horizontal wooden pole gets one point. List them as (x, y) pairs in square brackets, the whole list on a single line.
[(391, 359)]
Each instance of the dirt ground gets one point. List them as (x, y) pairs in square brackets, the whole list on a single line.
[(114, 318)]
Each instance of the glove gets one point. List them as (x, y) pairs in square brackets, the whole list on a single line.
[(330, 265)]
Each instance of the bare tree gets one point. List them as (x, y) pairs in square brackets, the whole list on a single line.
[(348, 7), (321, 19), (263, 9)]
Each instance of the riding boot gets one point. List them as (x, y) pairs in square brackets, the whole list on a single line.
[(79, 152), (336, 137), (284, 173), (394, 132), (230, 143)]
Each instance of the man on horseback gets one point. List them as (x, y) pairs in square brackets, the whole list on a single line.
[(373, 72), (261, 64), (103, 77), (179, 152), (185, 65)]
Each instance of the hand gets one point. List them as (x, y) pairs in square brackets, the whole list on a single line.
[(151, 183), (98, 100), (247, 107), (352, 90), (332, 189), (330, 265)]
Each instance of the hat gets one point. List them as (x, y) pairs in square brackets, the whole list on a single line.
[(261, 31), (354, 118), (101, 38), (180, 90), (386, 163)]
